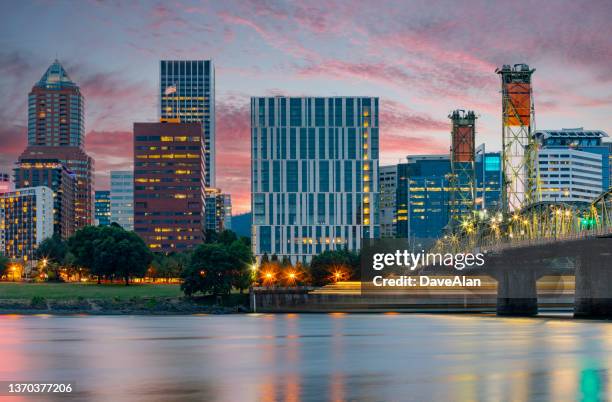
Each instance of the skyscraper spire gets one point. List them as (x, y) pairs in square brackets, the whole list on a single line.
[(55, 78)]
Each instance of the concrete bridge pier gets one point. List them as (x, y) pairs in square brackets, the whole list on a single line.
[(516, 292), (593, 297)]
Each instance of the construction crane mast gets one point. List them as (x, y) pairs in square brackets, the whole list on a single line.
[(518, 145)]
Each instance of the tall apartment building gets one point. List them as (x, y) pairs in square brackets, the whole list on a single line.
[(218, 210), (388, 189), (424, 191), (56, 130), (122, 198), (314, 167), (169, 185), (573, 165), (26, 219), (187, 95), (34, 170), (102, 211)]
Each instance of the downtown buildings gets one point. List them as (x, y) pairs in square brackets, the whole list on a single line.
[(122, 198), (314, 167), (55, 153), (424, 194), (26, 219), (187, 95), (218, 210), (573, 165), (169, 185), (102, 208)]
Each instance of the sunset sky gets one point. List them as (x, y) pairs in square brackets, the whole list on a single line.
[(422, 58)]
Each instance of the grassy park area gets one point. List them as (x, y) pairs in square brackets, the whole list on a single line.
[(65, 291)]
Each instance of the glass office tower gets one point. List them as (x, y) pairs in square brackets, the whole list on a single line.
[(122, 198), (314, 174), (187, 95)]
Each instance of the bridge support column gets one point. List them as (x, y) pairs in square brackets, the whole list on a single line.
[(516, 292), (594, 285)]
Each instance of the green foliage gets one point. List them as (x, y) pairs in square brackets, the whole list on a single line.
[(53, 249), (38, 302), (216, 268), (4, 264), (169, 266), (324, 266), (110, 251)]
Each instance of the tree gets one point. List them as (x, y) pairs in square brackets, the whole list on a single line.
[(81, 245), (52, 249), (4, 264), (110, 251), (227, 237), (216, 268), (170, 266), (331, 266), (209, 271)]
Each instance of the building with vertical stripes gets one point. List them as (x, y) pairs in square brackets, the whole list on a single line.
[(314, 173)]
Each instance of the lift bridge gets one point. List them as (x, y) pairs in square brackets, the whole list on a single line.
[(523, 217), (529, 237)]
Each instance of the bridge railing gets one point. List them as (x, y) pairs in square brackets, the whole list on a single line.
[(500, 246)]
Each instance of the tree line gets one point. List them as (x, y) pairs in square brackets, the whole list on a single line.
[(224, 262)]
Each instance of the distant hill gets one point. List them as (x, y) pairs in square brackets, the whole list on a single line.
[(241, 224)]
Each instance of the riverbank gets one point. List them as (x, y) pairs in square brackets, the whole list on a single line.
[(111, 299), (136, 305)]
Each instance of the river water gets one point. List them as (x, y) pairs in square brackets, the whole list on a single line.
[(311, 357)]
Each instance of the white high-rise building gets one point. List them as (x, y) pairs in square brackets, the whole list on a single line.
[(122, 198), (26, 219), (572, 165), (388, 188), (314, 174)]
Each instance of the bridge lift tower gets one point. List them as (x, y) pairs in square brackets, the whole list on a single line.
[(462, 179), (518, 144)]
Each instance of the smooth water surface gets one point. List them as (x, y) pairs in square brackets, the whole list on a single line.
[(310, 357)]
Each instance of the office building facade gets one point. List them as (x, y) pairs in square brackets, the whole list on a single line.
[(314, 174), (187, 95), (122, 198), (102, 210), (424, 192), (573, 165), (388, 190), (169, 185), (75, 161), (218, 210), (26, 219), (39, 170)]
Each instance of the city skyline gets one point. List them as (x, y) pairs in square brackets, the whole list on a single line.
[(422, 61)]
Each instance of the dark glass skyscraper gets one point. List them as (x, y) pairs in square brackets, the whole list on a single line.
[(424, 193), (102, 208), (187, 95)]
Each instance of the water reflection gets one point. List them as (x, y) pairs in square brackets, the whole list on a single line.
[(334, 357)]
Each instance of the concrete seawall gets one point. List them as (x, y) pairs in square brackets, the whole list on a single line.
[(308, 299)]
